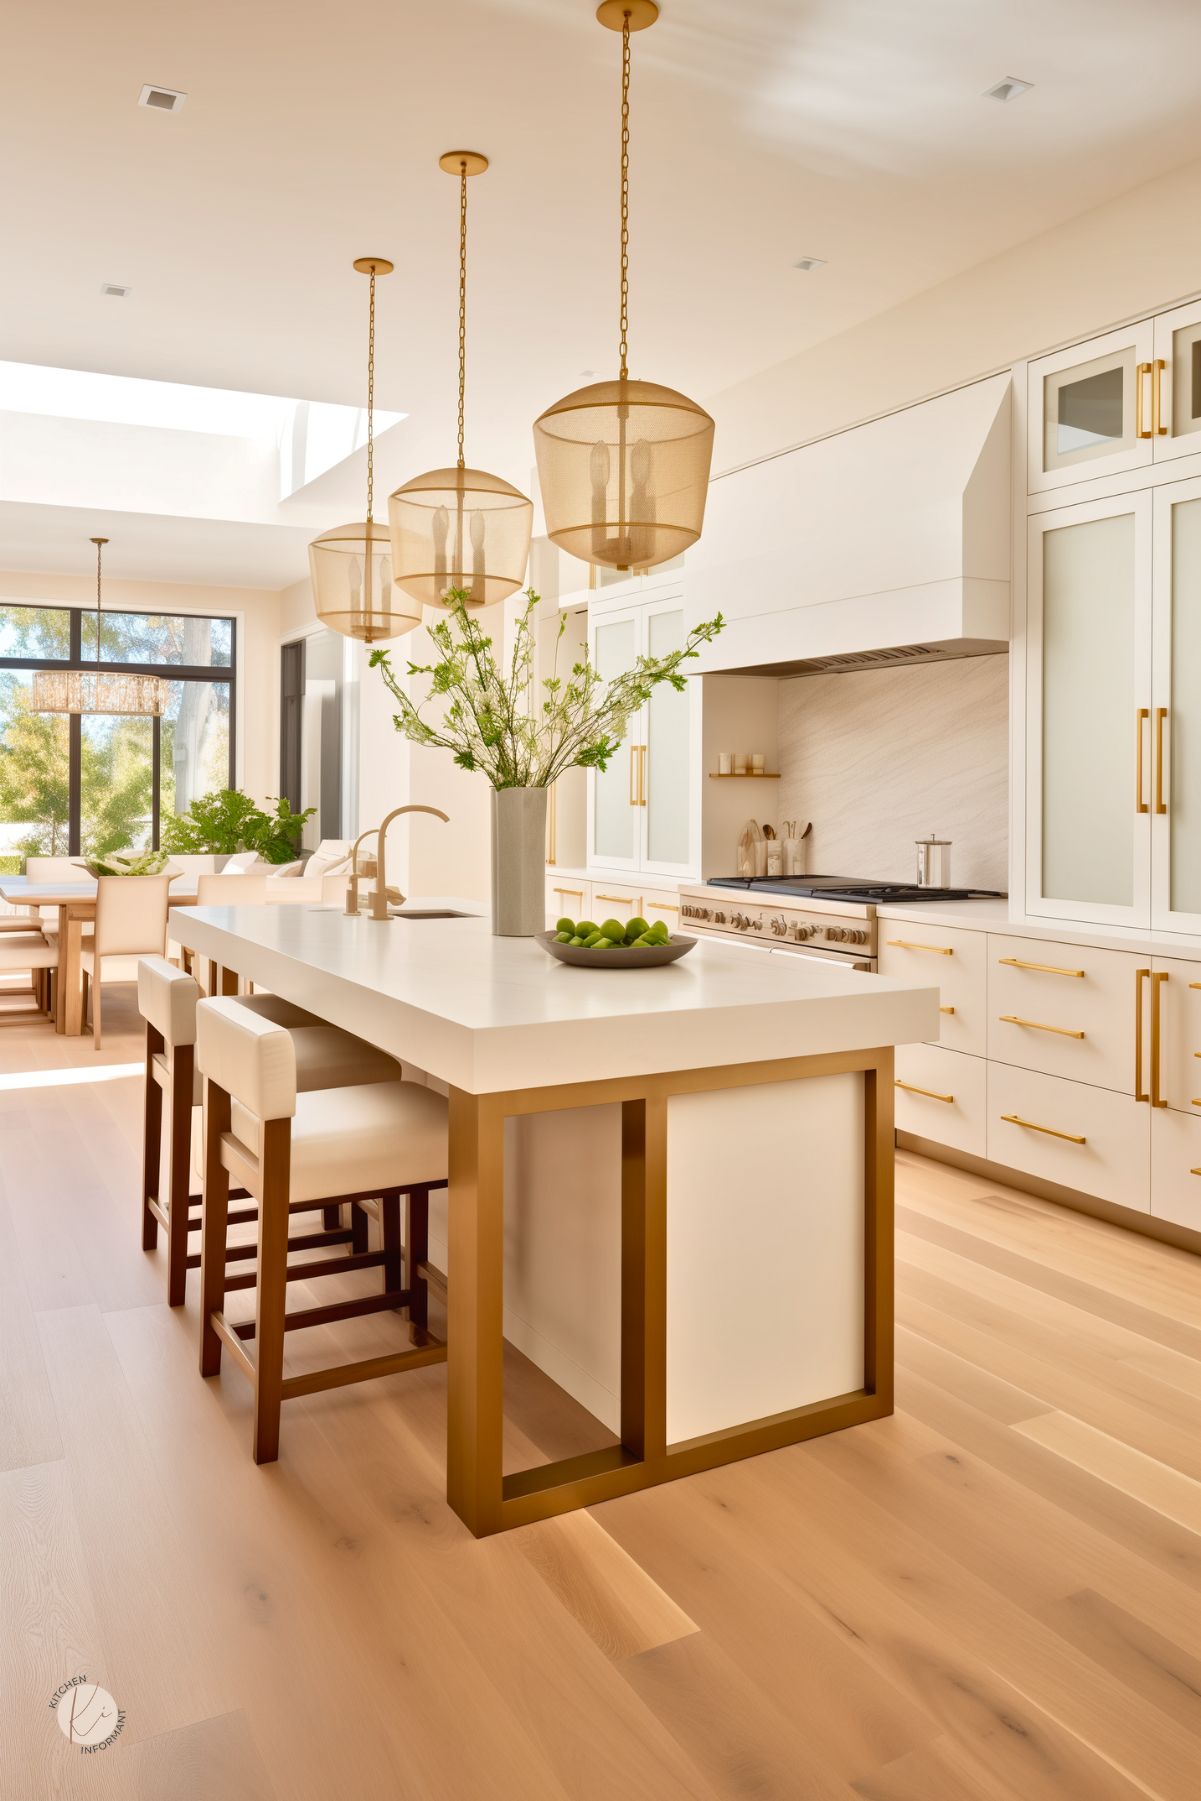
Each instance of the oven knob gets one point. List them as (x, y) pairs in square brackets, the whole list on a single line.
[(836, 934), (858, 937), (779, 926), (802, 934)]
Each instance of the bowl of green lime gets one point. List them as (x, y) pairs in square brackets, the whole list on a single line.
[(614, 945)]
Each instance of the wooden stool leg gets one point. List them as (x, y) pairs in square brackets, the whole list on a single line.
[(331, 1218), (417, 1250), (214, 1228), (389, 1225), (272, 1288), (152, 1141), (180, 1174), (358, 1227)]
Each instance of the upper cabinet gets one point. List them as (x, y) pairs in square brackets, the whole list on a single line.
[(644, 810), (1113, 710), (1117, 403)]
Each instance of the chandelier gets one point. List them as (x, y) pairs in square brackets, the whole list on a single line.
[(624, 465), (460, 528), (351, 565), (99, 690)]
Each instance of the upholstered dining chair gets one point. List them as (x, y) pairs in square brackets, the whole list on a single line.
[(325, 1057), (224, 890), (29, 950), (292, 1149), (131, 922)]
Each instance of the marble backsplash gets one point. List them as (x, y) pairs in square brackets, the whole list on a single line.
[(882, 757)]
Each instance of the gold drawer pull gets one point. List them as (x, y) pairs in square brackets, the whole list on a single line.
[(1196, 985), (664, 907), (1047, 969), (1141, 430), (1195, 1172), (907, 944), (1196, 1103), (1015, 1119), (1012, 1019), (618, 900), (931, 1094), (577, 892), (946, 1009)]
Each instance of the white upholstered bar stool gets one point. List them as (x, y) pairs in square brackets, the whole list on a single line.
[(290, 1149), (325, 1057)]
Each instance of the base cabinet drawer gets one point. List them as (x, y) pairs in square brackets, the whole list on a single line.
[(663, 906), (1068, 1132), (1064, 1009), (1176, 1168), (942, 1095), (957, 961), (567, 897)]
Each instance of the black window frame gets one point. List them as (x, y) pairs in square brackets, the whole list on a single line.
[(212, 673)]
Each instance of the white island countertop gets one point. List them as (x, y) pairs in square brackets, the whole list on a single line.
[(489, 1014)]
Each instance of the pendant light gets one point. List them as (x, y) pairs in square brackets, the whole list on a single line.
[(97, 690), (624, 465), (460, 528), (351, 565)]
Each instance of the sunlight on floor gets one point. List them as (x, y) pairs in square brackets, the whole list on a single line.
[(58, 1078)]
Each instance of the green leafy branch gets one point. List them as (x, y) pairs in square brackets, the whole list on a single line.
[(497, 723)]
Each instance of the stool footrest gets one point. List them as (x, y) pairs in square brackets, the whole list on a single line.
[(315, 1381), (388, 1302)]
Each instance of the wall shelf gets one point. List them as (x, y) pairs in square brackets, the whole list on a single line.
[(745, 775)]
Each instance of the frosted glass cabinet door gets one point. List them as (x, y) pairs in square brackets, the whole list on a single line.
[(667, 757), (1089, 735), (1177, 415), (1175, 772), (615, 817), (1090, 409)]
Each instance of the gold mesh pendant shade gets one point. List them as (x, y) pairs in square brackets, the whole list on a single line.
[(459, 527), (624, 470), (99, 690), (624, 465), (351, 565)]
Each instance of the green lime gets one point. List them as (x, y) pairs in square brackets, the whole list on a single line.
[(659, 932), (565, 925), (646, 942), (613, 928), (586, 927), (635, 928), (601, 944), (593, 939), (563, 937), (576, 942)]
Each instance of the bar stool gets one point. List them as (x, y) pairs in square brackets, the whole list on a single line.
[(292, 1149), (325, 1057)]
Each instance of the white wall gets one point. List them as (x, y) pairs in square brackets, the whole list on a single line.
[(257, 612), (1135, 255)]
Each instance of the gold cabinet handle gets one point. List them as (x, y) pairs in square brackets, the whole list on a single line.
[(908, 944), (576, 893), (946, 1009), (643, 778), (1141, 370), (1015, 1119), (618, 900), (1036, 1025), (632, 785), (931, 1094), (1046, 969), (1161, 805), (1140, 976), (663, 907), (1142, 714), (1158, 978), (1158, 429)]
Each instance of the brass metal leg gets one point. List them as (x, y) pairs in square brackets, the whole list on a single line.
[(488, 1501)]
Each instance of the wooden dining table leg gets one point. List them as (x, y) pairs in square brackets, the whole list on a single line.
[(69, 974)]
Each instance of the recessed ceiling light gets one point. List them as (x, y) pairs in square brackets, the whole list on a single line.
[(163, 100), (810, 262), (114, 290), (1009, 89)]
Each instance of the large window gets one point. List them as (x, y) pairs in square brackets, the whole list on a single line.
[(72, 784)]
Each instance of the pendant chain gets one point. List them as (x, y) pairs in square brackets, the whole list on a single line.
[(371, 406), (625, 194), (462, 299), (99, 553)]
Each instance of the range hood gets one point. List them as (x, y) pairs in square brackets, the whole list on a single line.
[(885, 545)]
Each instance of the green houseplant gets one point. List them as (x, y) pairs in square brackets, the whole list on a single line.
[(227, 821), (522, 734)]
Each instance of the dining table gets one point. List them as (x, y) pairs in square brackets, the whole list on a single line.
[(75, 902)]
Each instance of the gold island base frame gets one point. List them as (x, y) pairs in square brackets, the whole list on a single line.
[(489, 1501)]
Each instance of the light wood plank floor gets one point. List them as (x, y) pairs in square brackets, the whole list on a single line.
[(994, 1594)]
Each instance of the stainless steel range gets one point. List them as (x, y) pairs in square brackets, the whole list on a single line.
[(829, 917)]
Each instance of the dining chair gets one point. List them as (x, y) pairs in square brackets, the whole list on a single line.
[(29, 950), (290, 1149), (223, 890), (131, 922), (325, 1057), (48, 869)]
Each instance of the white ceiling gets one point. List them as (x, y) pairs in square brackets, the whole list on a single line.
[(854, 130)]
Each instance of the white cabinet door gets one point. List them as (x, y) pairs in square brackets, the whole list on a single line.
[(1176, 399), (670, 751), (1090, 409), (614, 806), (1176, 1169), (1174, 783), (1088, 712)]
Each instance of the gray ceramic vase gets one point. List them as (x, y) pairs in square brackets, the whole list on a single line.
[(518, 862)]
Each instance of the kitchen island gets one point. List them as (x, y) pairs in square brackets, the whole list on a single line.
[(670, 1188)]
